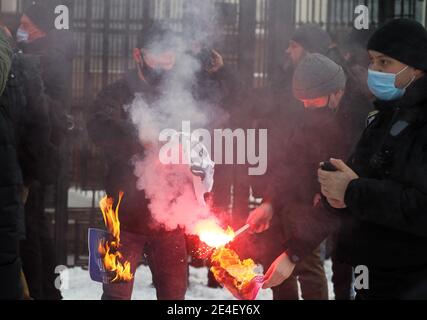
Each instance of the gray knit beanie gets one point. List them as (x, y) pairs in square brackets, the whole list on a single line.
[(317, 76)]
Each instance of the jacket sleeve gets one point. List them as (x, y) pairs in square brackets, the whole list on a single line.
[(5, 60), (106, 124), (312, 227), (391, 204), (34, 129)]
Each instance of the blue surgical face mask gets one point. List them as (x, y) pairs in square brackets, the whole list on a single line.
[(382, 85), (22, 35)]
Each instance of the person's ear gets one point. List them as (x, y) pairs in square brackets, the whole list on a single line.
[(335, 98), (347, 56), (137, 56), (418, 73)]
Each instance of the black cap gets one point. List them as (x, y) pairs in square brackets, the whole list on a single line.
[(404, 40), (41, 16)]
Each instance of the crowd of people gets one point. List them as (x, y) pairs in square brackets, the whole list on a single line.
[(346, 159)]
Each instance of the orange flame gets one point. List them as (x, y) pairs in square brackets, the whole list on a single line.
[(111, 217), (108, 250), (230, 270), (212, 234)]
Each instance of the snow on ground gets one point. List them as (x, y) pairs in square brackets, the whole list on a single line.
[(81, 287)]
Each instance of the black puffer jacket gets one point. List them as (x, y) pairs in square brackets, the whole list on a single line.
[(11, 206), (25, 99)]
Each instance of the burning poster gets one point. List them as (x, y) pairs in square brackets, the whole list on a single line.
[(237, 276), (106, 263)]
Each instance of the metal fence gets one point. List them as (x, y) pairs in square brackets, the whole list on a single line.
[(254, 32)]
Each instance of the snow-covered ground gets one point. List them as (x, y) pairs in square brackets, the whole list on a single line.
[(81, 287)]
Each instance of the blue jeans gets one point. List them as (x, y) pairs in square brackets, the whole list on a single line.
[(167, 256)]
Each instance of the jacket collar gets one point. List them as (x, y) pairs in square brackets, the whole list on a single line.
[(415, 95)]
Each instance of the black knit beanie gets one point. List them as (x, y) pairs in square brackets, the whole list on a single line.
[(158, 34), (404, 40), (312, 38), (41, 16)]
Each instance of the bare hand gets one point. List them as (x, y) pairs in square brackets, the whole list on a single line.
[(280, 270), (217, 62), (259, 219), (334, 184)]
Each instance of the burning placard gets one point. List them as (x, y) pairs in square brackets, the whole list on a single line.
[(239, 277), (106, 263)]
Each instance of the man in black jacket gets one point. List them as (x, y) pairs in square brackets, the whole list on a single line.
[(113, 132), (380, 195), (11, 205), (293, 189)]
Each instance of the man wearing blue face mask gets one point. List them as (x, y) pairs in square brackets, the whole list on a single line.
[(380, 194)]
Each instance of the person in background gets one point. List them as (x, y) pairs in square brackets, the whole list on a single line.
[(25, 98), (278, 110), (36, 36), (11, 184), (353, 47)]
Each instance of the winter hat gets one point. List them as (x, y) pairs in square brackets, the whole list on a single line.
[(41, 16), (404, 40), (317, 76), (312, 38), (158, 35)]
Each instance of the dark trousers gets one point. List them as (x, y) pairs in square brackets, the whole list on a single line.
[(342, 273), (342, 279), (167, 259), (37, 250), (395, 284)]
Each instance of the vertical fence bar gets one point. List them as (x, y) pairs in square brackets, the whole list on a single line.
[(281, 25), (105, 42), (247, 25)]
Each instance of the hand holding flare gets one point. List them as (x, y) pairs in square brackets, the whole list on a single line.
[(238, 276)]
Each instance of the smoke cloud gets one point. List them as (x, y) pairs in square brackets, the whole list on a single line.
[(170, 187)]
